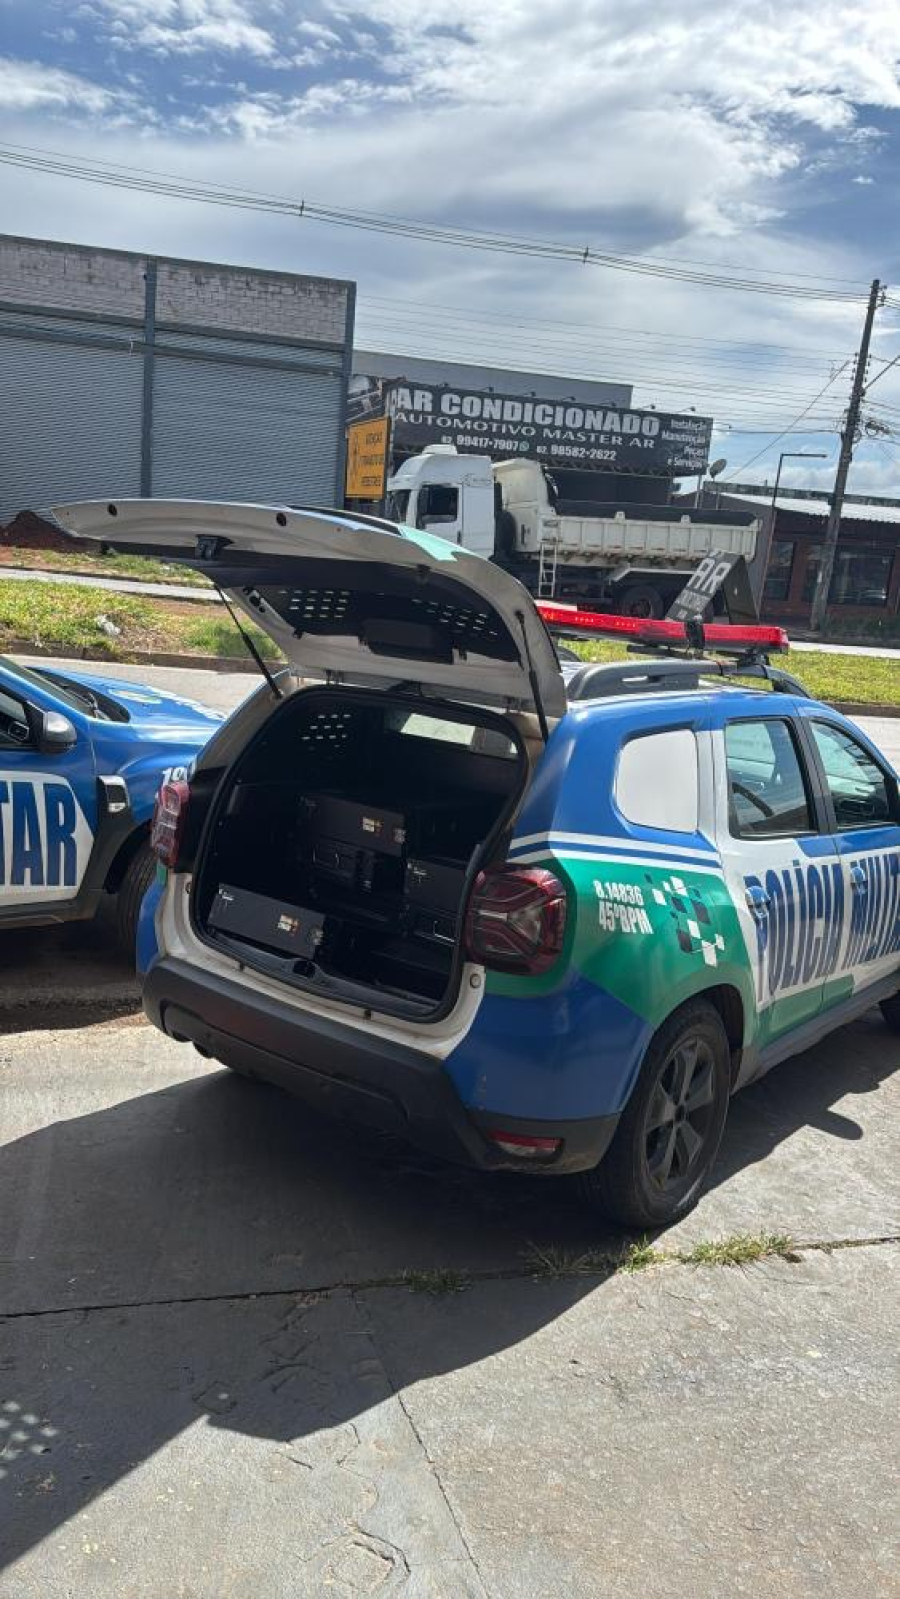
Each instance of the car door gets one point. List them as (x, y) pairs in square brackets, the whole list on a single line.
[(779, 860), (863, 793), (47, 801)]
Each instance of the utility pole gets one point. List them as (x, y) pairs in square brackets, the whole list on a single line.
[(848, 439)]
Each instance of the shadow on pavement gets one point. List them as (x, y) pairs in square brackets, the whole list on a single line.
[(60, 977), (202, 1222)]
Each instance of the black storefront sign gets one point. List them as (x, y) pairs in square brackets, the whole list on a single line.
[(559, 432)]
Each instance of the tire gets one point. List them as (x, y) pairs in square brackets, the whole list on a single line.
[(890, 1010), (642, 599), (624, 1185), (139, 875)]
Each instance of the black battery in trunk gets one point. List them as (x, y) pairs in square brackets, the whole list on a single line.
[(272, 922)]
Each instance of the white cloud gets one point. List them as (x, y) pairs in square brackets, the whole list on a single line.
[(31, 86), (688, 130), (189, 27), (318, 31)]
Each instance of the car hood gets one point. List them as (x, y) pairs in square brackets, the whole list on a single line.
[(151, 707), (351, 598)]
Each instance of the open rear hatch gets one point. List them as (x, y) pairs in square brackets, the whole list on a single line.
[(352, 599), (345, 839)]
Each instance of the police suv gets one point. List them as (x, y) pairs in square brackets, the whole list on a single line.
[(534, 916), (81, 759)]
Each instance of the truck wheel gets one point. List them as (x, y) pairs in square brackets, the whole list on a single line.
[(890, 1010), (669, 1133), (134, 885), (642, 599)]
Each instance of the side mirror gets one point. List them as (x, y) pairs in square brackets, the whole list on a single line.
[(53, 733)]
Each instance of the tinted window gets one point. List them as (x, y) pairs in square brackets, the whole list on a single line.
[(861, 575), (484, 740), (438, 503), (14, 729), (781, 565), (858, 787), (766, 789)]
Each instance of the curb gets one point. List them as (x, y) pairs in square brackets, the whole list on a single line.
[(99, 657), (243, 663), (139, 587), (860, 708)]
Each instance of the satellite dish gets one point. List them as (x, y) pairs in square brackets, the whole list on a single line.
[(718, 466)]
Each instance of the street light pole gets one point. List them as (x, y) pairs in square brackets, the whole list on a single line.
[(786, 455), (848, 439)]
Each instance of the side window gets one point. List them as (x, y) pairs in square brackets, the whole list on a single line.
[(15, 734), (656, 780), (439, 503), (767, 793), (863, 796)]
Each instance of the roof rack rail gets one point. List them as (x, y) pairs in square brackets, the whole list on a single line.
[(594, 681)]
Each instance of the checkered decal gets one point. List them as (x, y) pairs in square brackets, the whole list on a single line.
[(688, 911)]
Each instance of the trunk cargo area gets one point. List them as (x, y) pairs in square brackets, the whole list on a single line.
[(345, 838)]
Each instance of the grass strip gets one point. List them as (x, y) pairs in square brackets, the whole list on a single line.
[(864, 679), (66, 619), (86, 562)]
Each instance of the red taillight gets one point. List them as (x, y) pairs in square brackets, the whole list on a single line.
[(523, 1145), (516, 919), (563, 618), (169, 817)]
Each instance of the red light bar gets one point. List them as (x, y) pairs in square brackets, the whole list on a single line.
[(722, 635)]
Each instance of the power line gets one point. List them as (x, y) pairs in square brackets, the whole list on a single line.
[(527, 326), (783, 434), (460, 346), (105, 173), (115, 166)]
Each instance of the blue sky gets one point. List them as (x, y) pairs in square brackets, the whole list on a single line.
[(744, 133)]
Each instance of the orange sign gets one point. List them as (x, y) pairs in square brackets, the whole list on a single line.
[(368, 444)]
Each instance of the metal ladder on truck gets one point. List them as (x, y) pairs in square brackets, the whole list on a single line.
[(548, 556)]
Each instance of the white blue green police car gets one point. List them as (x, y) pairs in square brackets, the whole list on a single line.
[(535, 916), (81, 758)]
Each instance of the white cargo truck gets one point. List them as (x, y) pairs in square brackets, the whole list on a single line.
[(527, 518)]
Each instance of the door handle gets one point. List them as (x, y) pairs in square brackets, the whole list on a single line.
[(858, 880), (758, 902)]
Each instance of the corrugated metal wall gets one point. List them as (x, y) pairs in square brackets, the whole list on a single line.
[(70, 413), (232, 429), (239, 393)]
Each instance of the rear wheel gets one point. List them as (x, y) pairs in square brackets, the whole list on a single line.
[(138, 876), (890, 1010), (669, 1134), (642, 599)]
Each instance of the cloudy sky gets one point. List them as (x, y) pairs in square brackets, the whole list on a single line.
[(743, 134)]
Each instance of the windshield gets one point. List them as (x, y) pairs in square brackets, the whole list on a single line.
[(397, 504), (77, 696)]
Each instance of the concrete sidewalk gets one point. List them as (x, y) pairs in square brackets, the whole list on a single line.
[(246, 1352)]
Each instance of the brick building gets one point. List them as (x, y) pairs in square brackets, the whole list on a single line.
[(865, 587), (125, 374)]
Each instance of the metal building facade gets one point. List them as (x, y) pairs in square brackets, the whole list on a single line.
[(123, 374)]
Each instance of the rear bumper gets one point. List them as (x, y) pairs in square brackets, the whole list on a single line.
[(341, 1069)]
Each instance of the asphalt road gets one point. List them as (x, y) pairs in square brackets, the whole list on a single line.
[(216, 1382), (246, 1352)]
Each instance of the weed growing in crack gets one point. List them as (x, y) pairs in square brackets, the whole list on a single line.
[(439, 1281)]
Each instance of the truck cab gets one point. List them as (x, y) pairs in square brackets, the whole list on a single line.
[(448, 494)]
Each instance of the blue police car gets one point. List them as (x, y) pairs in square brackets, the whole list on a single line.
[(81, 758), (538, 916)]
